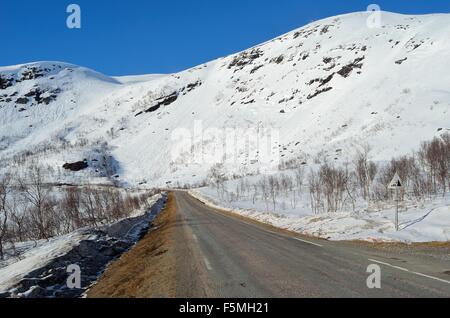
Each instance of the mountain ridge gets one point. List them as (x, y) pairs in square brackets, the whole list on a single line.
[(327, 89)]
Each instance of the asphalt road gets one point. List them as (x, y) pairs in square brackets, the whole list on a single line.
[(220, 255)]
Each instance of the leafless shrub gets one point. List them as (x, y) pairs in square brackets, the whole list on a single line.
[(33, 212), (265, 191), (40, 204), (315, 191), (217, 176), (435, 157), (274, 185), (299, 178), (71, 209), (4, 211), (334, 182), (365, 171)]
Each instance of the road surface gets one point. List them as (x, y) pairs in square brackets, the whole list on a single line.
[(220, 255)]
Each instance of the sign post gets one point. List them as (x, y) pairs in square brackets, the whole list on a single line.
[(396, 184)]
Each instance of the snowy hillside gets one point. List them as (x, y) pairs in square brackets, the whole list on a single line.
[(323, 89)]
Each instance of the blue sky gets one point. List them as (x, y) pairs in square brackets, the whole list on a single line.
[(162, 36)]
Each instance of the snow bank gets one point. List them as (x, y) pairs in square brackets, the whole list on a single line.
[(41, 255), (420, 223), (41, 270)]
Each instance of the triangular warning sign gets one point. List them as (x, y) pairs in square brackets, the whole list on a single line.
[(396, 182)]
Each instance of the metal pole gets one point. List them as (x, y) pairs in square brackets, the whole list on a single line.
[(396, 209)]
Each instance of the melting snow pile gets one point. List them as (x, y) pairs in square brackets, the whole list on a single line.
[(41, 270)]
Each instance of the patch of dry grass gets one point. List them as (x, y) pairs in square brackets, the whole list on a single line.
[(148, 269)]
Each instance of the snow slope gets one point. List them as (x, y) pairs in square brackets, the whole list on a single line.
[(322, 89)]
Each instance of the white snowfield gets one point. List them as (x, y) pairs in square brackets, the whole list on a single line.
[(324, 88), (419, 222)]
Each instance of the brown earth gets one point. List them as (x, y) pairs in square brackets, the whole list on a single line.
[(148, 269)]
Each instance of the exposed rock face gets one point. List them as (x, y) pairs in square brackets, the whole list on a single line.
[(33, 72), (5, 82), (22, 100), (43, 96), (76, 166), (169, 99), (245, 58), (347, 69)]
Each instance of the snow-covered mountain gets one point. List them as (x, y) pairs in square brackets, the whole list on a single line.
[(319, 91)]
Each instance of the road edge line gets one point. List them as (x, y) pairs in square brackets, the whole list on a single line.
[(308, 242), (409, 271)]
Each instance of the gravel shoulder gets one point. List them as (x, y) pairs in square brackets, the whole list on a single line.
[(148, 269)]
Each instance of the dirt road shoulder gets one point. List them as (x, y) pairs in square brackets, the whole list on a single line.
[(148, 269)]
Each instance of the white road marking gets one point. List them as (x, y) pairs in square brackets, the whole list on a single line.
[(390, 265), (207, 263), (308, 242), (284, 236), (408, 271)]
